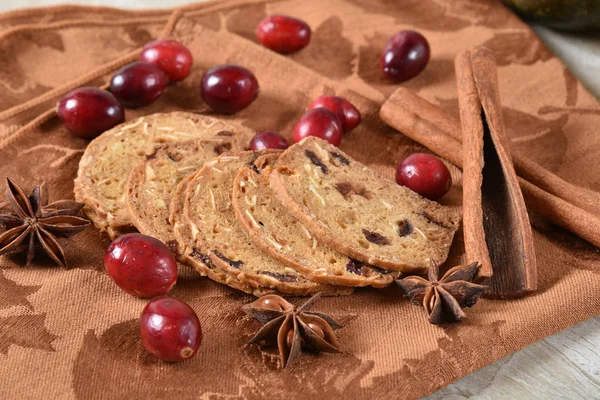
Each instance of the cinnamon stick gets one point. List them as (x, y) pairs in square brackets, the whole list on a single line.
[(428, 125), (581, 197), (496, 225)]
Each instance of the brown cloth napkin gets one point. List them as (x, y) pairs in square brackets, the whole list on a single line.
[(74, 334)]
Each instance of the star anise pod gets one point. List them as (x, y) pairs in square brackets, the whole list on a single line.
[(444, 299), (30, 220), (292, 327)]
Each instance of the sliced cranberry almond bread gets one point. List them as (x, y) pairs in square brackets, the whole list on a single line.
[(350, 208), (274, 230), (105, 166), (220, 240), (153, 179), (191, 256)]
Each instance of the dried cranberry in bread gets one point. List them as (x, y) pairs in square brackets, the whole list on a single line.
[(221, 240), (279, 234), (105, 166), (350, 208)]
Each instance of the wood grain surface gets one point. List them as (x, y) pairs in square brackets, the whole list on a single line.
[(563, 366)]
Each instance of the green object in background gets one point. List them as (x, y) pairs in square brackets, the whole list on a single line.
[(561, 14)]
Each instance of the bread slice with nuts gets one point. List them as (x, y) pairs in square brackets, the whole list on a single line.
[(153, 179), (105, 166), (274, 230), (220, 240), (350, 208), (191, 256)]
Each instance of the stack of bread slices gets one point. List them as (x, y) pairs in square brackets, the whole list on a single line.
[(295, 222)]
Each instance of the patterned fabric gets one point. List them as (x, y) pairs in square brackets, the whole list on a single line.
[(73, 333)]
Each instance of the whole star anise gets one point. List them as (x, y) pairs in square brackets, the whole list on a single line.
[(30, 220), (292, 327), (443, 299)]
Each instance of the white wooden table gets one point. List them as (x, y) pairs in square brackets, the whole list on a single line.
[(563, 366)]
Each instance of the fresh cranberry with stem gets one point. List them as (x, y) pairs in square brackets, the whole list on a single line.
[(172, 57), (319, 122), (229, 88), (268, 140), (87, 112), (342, 108), (170, 329), (138, 84), (424, 174), (404, 56), (141, 265), (283, 34)]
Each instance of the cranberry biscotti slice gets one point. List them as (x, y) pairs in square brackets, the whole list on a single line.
[(350, 208), (153, 179), (220, 239), (105, 166), (279, 234), (187, 251)]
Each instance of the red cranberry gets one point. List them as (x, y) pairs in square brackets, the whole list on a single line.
[(283, 34), (170, 329), (268, 140), (424, 174), (319, 122), (173, 58), (87, 112), (141, 265), (404, 56), (342, 108), (138, 84), (229, 88)]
